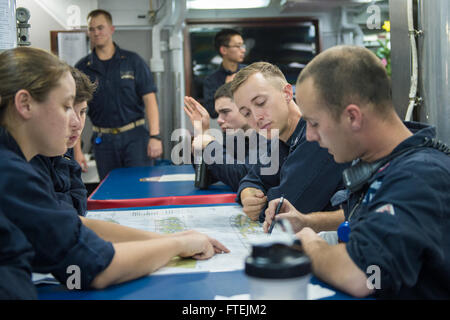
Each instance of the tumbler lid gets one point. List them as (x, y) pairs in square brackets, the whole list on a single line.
[(276, 261)]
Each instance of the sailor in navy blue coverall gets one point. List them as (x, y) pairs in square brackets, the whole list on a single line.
[(398, 210), (402, 222), (212, 83), (64, 171), (230, 46), (306, 175), (65, 174), (117, 102), (30, 202), (124, 100)]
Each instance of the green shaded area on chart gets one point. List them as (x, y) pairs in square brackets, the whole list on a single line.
[(169, 225), (178, 262), (245, 225), (172, 225)]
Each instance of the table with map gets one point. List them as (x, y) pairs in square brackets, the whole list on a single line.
[(226, 223)]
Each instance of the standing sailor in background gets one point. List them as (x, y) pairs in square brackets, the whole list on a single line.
[(230, 45), (125, 96)]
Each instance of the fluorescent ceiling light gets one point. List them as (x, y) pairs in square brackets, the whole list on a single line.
[(226, 4)]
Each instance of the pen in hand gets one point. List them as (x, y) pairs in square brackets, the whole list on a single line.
[(277, 210)]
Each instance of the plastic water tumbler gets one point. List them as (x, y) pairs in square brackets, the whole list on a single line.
[(277, 272)]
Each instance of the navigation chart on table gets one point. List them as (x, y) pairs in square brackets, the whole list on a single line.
[(228, 224)]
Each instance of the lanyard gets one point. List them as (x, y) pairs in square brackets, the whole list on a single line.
[(343, 230), (361, 197)]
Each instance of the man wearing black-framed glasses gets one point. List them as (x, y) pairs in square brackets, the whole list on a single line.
[(230, 45)]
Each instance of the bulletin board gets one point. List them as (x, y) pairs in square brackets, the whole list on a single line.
[(70, 46)]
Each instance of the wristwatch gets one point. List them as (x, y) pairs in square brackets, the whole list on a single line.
[(156, 136)]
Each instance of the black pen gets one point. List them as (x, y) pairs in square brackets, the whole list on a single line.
[(277, 210)]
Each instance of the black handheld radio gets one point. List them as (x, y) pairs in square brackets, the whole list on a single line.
[(202, 180)]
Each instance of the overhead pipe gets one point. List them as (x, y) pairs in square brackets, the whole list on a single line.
[(414, 63), (176, 48), (156, 62)]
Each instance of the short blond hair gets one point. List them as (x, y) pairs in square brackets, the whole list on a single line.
[(269, 71), (98, 12)]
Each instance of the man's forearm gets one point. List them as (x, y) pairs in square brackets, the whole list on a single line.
[(333, 265), (152, 113), (325, 220)]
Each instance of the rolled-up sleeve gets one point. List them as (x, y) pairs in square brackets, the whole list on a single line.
[(90, 254)]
